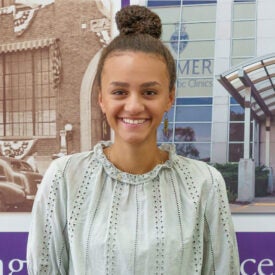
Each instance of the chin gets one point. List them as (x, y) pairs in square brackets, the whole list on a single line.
[(135, 140)]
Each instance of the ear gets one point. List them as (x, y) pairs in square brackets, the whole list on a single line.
[(100, 102), (171, 98)]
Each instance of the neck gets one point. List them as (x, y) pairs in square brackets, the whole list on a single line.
[(135, 159)]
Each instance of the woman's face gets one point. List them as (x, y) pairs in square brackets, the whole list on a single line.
[(134, 95)]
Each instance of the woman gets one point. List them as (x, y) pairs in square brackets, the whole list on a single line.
[(131, 207)]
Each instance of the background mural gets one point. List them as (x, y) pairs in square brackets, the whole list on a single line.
[(48, 52)]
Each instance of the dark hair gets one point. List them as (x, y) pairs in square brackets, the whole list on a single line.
[(140, 31)]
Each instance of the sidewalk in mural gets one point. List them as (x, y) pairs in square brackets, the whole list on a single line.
[(258, 205)]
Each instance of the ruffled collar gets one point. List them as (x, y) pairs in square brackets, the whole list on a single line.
[(125, 177)]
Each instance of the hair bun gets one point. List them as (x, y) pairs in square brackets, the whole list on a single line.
[(138, 19)]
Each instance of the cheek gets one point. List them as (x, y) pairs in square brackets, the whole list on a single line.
[(110, 108)]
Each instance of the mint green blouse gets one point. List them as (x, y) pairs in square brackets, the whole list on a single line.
[(89, 218)]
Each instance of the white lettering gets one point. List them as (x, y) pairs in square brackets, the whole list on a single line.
[(1, 268), (16, 265), (243, 272), (264, 262)]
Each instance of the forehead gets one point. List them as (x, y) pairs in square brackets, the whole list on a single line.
[(129, 53), (138, 62)]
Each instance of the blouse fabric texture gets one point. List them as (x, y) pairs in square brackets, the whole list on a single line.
[(90, 218)]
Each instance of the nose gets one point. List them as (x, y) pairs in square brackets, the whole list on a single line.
[(134, 104)]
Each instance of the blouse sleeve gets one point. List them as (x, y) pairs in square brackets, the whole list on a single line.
[(47, 251), (220, 246)]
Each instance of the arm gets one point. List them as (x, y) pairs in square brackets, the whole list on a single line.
[(220, 246), (47, 251)]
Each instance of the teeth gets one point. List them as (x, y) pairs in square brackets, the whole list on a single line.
[(133, 121)]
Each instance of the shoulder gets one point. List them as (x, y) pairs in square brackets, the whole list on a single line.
[(77, 166), (200, 171), (70, 161), (196, 166)]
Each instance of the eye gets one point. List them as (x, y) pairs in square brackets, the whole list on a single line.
[(150, 93), (118, 92)]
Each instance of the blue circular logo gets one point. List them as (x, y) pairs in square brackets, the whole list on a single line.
[(179, 39)]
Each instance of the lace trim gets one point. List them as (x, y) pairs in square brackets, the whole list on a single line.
[(48, 222), (124, 177)]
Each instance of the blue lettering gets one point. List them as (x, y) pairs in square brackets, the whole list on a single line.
[(181, 84), (206, 65), (186, 67), (200, 83), (195, 69)]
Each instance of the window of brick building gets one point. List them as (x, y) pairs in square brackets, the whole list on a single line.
[(6, 3), (27, 94)]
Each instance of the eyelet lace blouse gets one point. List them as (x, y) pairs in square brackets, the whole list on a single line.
[(89, 218)]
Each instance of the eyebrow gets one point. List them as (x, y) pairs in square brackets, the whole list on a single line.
[(143, 85)]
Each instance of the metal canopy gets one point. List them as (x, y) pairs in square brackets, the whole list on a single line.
[(259, 75)]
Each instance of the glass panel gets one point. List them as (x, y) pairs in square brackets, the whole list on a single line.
[(45, 65), (187, 87), (200, 31), (263, 84), (193, 132), (199, 13), (237, 60), (233, 100), (199, 151), (244, 29), (271, 69), (161, 137), (159, 3), (243, 47), (236, 132), (16, 129), (170, 115), (52, 129), (256, 74), (20, 88), (195, 73), (191, 113), (195, 67), (235, 152), (45, 90), (236, 113), (45, 78), (237, 84), (244, 11), (192, 49), (194, 101), (28, 129), (52, 115)]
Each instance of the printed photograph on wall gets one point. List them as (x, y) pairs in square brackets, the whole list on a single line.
[(48, 105), (48, 55), (213, 120)]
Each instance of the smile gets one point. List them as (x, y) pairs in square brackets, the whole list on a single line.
[(133, 121)]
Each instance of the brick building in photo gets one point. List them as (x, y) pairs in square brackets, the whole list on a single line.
[(48, 55)]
